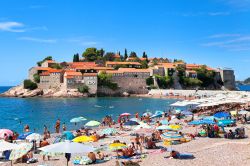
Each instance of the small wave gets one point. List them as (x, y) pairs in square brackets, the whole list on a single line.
[(111, 106), (97, 106)]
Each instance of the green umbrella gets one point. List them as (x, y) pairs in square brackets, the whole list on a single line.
[(109, 131), (78, 119), (92, 123)]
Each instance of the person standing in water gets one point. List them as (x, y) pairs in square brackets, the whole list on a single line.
[(64, 127), (57, 126)]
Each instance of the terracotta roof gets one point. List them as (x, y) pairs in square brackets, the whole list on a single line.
[(82, 64), (196, 66), (73, 73), (43, 68), (128, 70), (55, 70), (191, 71), (69, 77), (143, 59), (122, 63), (50, 61), (89, 74), (167, 65), (117, 56)]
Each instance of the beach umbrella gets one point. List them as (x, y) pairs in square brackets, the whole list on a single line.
[(68, 135), (24, 135), (209, 118), (225, 122), (109, 131), (67, 147), (233, 112), (134, 119), (131, 123), (222, 115), (78, 119), (5, 131), (7, 146), (163, 127), (92, 123), (243, 112), (34, 137), (175, 127), (20, 150), (195, 122), (125, 114), (186, 112), (83, 138), (157, 114), (164, 122), (117, 146), (171, 137), (178, 104)]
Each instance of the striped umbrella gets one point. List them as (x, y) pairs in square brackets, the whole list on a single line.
[(21, 150), (117, 146), (92, 123)]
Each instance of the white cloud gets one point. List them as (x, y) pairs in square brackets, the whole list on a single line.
[(38, 40), (82, 40), (11, 27), (219, 13), (230, 42)]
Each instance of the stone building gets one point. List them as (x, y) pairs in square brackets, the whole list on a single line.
[(228, 78), (51, 79), (73, 80), (36, 70), (48, 63), (131, 80)]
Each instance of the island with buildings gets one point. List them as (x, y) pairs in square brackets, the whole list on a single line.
[(97, 73)]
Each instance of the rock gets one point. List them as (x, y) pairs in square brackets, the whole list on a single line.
[(33, 93), (125, 94)]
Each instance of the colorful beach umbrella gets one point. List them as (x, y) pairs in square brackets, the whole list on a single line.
[(34, 137), (131, 123), (83, 139), (7, 146), (243, 112), (68, 135), (164, 122), (109, 131), (175, 127), (225, 122), (134, 119), (20, 150), (163, 127), (24, 135), (5, 131), (117, 146), (171, 137), (78, 119), (125, 114), (222, 115), (92, 123)]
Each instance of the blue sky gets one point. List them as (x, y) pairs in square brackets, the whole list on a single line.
[(212, 32)]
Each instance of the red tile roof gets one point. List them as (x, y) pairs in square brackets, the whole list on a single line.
[(89, 74), (45, 74), (122, 63)]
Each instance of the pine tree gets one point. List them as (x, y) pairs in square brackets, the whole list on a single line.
[(145, 55), (125, 54), (77, 58)]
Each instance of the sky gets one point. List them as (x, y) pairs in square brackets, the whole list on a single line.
[(211, 32)]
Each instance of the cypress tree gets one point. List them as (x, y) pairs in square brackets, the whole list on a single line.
[(125, 54)]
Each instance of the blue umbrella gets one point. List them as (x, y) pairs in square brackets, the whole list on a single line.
[(24, 135), (68, 135), (225, 122), (203, 121), (164, 122), (157, 114), (131, 123), (222, 115), (186, 112), (195, 122)]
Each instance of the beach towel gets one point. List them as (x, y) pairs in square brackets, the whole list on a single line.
[(186, 156)]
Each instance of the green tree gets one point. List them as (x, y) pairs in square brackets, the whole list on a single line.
[(144, 64), (104, 79), (36, 78), (109, 56), (144, 55), (164, 82), (125, 54), (76, 58), (100, 52), (150, 81), (206, 76), (56, 66), (47, 58), (90, 54), (133, 55), (83, 89), (28, 84)]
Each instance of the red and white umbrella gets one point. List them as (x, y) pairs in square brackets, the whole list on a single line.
[(5, 131), (125, 114)]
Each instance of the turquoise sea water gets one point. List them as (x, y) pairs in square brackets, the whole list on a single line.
[(39, 111)]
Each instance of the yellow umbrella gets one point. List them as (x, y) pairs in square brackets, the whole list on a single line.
[(82, 139), (175, 127), (117, 146), (233, 112)]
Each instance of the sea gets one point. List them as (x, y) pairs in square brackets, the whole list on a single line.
[(37, 112)]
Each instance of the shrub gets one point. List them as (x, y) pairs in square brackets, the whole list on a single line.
[(83, 89), (150, 81), (164, 82), (104, 79), (36, 78), (28, 84)]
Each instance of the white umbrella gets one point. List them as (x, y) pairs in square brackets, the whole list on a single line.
[(67, 147), (243, 112), (34, 137), (7, 146)]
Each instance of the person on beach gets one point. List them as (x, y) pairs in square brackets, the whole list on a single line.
[(92, 157), (45, 129), (138, 143), (57, 126), (5, 137), (42, 144), (26, 128), (64, 127)]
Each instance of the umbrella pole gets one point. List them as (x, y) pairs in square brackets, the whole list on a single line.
[(11, 162), (67, 162)]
